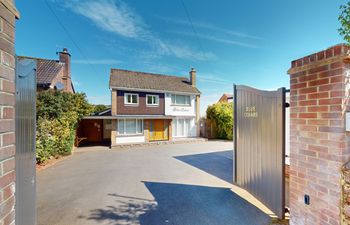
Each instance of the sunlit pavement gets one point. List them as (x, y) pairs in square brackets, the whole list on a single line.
[(181, 184)]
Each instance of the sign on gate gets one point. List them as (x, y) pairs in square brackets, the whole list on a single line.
[(259, 137)]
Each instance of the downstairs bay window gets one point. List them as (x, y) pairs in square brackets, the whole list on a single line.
[(130, 126)]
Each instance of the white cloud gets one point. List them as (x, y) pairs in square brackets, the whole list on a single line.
[(186, 53), (208, 26), (109, 15), (217, 39), (115, 16), (212, 78), (97, 61)]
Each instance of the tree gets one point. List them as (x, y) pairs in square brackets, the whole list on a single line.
[(222, 115), (344, 19), (58, 114)]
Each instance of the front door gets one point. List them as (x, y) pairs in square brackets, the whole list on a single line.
[(157, 130)]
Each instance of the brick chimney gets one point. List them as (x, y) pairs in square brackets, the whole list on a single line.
[(65, 58), (193, 77)]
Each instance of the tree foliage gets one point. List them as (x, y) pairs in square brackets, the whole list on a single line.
[(222, 115), (344, 19), (58, 114)]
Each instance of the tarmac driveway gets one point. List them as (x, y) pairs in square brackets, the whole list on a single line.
[(181, 184)]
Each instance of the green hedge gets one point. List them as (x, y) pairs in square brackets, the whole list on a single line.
[(221, 114), (58, 114)]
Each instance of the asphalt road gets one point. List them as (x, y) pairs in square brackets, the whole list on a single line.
[(181, 184)]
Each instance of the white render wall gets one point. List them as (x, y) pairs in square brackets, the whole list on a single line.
[(130, 139), (171, 110)]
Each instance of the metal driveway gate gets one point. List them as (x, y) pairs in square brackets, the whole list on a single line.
[(259, 138), (25, 141)]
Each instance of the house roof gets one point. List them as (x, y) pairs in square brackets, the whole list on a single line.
[(228, 95), (46, 70), (125, 79)]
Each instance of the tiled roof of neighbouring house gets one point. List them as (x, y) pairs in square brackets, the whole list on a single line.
[(46, 70), (149, 81)]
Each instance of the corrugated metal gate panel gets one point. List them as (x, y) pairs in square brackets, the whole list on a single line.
[(25, 142), (259, 144)]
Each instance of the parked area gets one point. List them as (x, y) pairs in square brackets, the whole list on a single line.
[(187, 184)]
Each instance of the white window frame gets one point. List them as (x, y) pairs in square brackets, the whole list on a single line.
[(157, 100), (125, 134), (176, 104), (186, 130), (126, 99)]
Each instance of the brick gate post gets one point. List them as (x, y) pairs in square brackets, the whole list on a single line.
[(319, 145), (8, 15)]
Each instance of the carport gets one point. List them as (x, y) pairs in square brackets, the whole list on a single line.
[(94, 130)]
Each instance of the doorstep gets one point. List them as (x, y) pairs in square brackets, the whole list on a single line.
[(155, 143)]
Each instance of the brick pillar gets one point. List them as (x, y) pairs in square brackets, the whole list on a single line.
[(319, 145), (114, 126), (8, 15), (114, 102)]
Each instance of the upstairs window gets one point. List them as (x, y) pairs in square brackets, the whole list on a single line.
[(152, 100), (180, 100), (131, 99)]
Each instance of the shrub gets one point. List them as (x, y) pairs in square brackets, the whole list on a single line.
[(58, 114), (221, 114)]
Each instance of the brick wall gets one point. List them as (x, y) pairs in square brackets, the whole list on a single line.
[(141, 108), (8, 15), (319, 144)]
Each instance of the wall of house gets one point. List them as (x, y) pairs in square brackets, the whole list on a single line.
[(141, 108), (319, 144), (8, 16), (174, 110), (107, 127), (130, 139)]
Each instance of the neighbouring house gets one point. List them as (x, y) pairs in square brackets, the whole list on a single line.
[(54, 74), (226, 98), (145, 107)]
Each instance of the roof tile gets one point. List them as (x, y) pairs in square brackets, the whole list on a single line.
[(150, 81)]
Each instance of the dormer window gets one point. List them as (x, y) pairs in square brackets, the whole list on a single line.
[(131, 99)]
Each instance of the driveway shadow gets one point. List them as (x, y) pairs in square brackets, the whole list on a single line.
[(219, 164), (179, 204)]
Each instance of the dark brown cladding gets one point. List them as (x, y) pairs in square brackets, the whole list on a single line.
[(141, 108)]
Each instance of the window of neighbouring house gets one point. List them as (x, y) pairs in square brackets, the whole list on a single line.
[(180, 100), (131, 99), (152, 100), (130, 126)]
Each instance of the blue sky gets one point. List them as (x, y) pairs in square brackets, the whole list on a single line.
[(243, 42)]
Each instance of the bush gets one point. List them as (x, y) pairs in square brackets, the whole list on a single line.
[(221, 114), (58, 114)]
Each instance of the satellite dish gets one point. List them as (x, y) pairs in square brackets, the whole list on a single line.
[(59, 86)]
